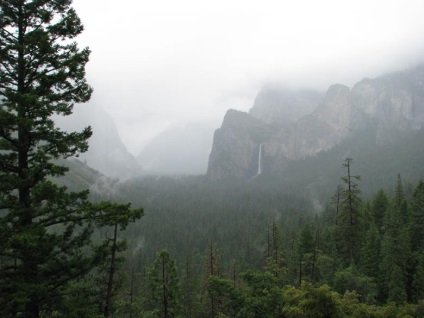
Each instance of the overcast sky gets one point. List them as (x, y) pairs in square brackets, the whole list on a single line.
[(160, 63)]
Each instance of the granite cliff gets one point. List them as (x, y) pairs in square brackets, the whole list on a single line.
[(292, 125)]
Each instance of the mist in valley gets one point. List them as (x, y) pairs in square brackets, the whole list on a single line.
[(247, 159), (174, 70)]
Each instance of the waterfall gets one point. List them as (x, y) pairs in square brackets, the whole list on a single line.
[(260, 160), (259, 171)]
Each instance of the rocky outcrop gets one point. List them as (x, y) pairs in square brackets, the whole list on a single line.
[(236, 144), (106, 153), (292, 125), (393, 103), (283, 106), (326, 126)]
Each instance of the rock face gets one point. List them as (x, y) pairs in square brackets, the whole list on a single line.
[(236, 145), (295, 125), (282, 106), (326, 126), (106, 152)]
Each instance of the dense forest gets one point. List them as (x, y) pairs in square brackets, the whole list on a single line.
[(313, 242), (236, 251)]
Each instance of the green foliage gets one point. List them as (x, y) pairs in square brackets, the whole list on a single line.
[(387, 274), (326, 267), (309, 301), (227, 297), (249, 224), (370, 252), (380, 205), (395, 252), (348, 225), (190, 287), (351, 279), (352, 307), (165, 297), (108, 214), (47, 254), (79, 302), (417, 207), (396, 285), (263, 296), (418, 278), (45, 229), (307, 254)]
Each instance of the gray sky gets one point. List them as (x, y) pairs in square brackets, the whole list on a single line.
[(160, 63)]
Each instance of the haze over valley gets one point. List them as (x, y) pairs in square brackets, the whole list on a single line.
[(242, 159), (291, 124), (174, 70)]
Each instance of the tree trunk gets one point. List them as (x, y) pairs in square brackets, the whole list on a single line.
[(164, 285), (107, 311)]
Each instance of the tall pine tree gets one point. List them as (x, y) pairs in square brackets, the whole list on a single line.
[(166, 296), (417, 241), (395, 250), (348, 226), (44, 230)]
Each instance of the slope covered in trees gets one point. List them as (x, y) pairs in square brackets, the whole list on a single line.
[(242, 251)]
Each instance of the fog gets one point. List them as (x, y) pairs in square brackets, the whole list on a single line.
[(156, 65)]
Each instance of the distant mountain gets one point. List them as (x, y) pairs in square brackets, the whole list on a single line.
[(274, 105), (106, 153), (80, 177), (178, 150), (295, 125)]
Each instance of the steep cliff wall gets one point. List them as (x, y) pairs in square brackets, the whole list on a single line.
[(295, 125)]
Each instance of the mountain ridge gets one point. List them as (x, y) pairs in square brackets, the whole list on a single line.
[(106, 153), (392, 104)]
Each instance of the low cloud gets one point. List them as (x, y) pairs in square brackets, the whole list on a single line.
[(159, 63)]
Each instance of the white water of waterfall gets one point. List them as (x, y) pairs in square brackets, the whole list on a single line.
[(260, 160)]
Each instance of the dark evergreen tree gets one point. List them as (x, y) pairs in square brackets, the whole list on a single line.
[(190, 287), (293, 258), (306, 254), (417, 242), (114, 218), (395, 253), (229, 295), (348, 227), (311, 302), (165, 286), (417, 208), (370, 252), (400, 202), (212, 269), (44, 230), (396, 285), (350, 278), (336, 202), (276, 253), (263, 297), (418, 279), (379, 208), (275, 262)]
